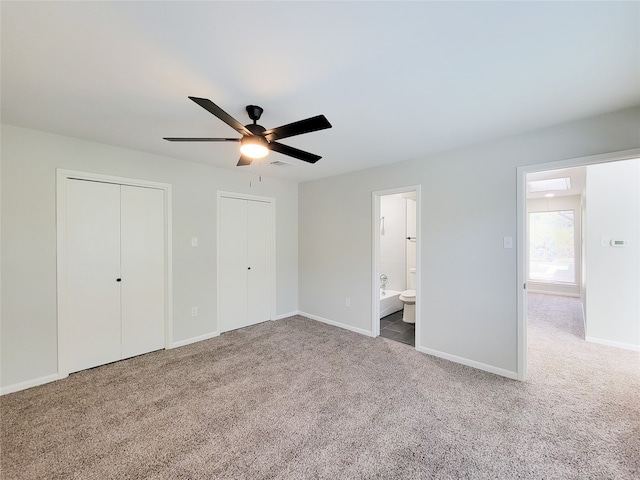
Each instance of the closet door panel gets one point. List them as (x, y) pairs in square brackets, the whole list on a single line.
[(259, 259), (233, 264), (143, 276), (93, 267)]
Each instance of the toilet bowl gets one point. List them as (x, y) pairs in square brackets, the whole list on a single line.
[(408, 297)]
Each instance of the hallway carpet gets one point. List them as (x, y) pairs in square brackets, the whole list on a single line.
[(298, 399)]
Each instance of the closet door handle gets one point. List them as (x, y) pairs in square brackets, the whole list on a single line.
[(118, 279)]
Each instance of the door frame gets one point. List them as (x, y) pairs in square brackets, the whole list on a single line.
[(521, 227), (272, 257), (375, 274), (62, 176)]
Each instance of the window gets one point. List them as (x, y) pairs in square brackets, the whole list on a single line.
[(552, 247)]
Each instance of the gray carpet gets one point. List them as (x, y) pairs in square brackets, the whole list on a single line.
[(297, 399)]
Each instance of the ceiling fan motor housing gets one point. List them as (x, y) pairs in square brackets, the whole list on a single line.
[(255, 128)]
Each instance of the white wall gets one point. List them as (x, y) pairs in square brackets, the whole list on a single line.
[(565, 202), (393, 239), (613, 273), (324, 244), (468, 286), (29, 162)]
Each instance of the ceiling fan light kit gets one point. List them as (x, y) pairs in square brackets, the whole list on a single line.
[(256, 141), (254, 147)]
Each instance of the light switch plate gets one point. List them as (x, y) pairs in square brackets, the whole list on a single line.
[(194, 241), (507, 242)]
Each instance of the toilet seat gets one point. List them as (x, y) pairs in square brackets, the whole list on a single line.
[(408, 296)]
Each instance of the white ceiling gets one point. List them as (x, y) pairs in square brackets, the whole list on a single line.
[(397, 80)]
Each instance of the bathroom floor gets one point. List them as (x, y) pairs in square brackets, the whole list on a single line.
[(393, 328)]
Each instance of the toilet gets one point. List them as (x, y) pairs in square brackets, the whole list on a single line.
[(408, 297)]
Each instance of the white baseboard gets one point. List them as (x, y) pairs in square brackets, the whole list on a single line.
[(16, 387), (189, 341), (361, 331), (611, 343), (286, 315), (452, 358), (52, 378), (556, 293), (469, 363)]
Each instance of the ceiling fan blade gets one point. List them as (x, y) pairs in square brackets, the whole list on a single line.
[(221, 114), (202, 139), (244, 160), (294, 152), (312, 124)]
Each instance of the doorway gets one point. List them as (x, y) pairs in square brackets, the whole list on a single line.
[(577, 285), (396, 239)]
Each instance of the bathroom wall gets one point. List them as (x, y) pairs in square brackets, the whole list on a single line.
[(393, 213), (412, 243)]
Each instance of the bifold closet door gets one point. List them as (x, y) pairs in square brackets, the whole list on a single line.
[(115, 272), (142, 269), (93, 267), (245, 263), (233, 263), (259, 259)]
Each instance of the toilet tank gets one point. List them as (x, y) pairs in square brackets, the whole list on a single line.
[(411, 279)]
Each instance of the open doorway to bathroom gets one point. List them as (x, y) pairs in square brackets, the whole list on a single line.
[(395, 276)]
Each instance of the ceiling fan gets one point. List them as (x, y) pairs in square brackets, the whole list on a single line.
[(256, 141)]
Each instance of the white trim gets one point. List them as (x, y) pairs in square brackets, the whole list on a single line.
[(521, 239), (98, 177), (286, 315), (333, 323), (521, 212), (199, 338), (16, 387), (549, 292), (375, 273), (470, 363), (611, 343), (272, 280), (245, 196), (584, 316), (62, 176)]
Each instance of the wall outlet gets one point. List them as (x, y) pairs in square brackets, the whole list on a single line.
[(347, 302), (194, 311)]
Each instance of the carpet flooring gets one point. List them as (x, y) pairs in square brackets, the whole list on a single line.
[(298, 399)]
